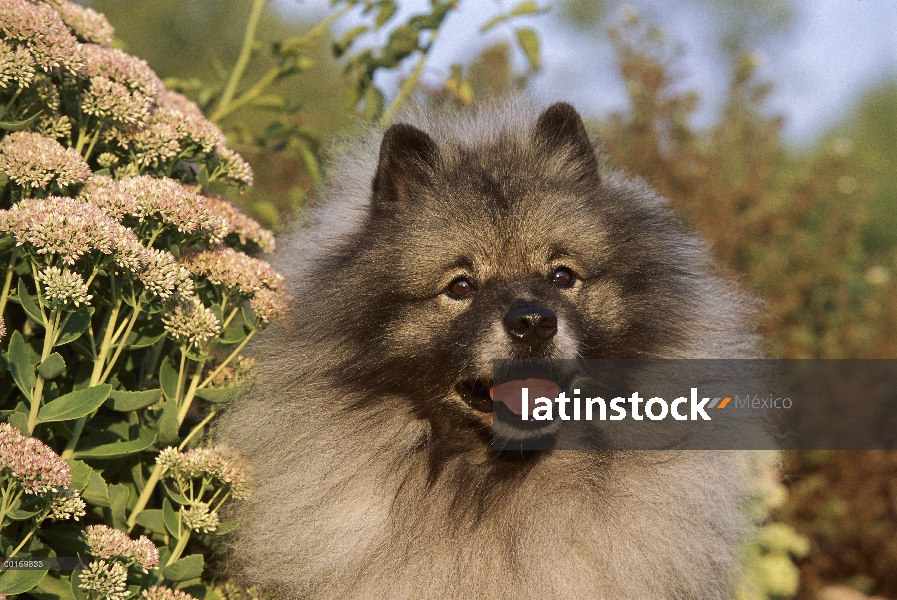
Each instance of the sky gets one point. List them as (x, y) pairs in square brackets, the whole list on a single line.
[(820, 63)]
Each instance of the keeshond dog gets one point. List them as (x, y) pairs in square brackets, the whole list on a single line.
[(440, 245)]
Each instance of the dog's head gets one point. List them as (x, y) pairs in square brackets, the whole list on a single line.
[(511, 249)]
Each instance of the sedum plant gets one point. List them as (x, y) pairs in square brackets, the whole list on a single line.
[(128, 292)]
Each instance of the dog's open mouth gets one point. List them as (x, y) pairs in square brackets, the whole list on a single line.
[(484, 396)]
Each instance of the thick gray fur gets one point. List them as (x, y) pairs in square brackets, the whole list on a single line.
[(369, 485)]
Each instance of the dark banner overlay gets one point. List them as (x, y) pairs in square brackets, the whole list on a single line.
[(52, 563), (695, 405)]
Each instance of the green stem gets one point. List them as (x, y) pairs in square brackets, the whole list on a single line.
[(242, 61), (95, 377), (153, 237), (225, 109), (4, 508), (182, 371), (196, 430), (410, 83), (11, 100), (159, 470), (251, 94), (24, 541), (145, 495), (124, 342), (82, 138), (228, 359), (191, 393), (93, 141), (230, 318), (40, 303), (179, 549), (38, 391), (7, 283), (100, 363)]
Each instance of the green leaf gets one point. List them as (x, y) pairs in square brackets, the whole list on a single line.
[(529, 41), (146, 333), (20, 364), (21, 515), (81, 473), (342, 44), (172, 519), (124, 401), (219, 395), (19, 419), (53, 588), (29, 305), (152, 520), (83, 347), (167, 423), (78, 592), (373, 103), (74, 405), (52, 367), (189, 567), (168, 378), (528, 7), (118, 501), (77, 324), (176, 498), (117, 449), (19, 581), (226, 527), (96, 492), (387, 10), (16, 126), (270, 102)]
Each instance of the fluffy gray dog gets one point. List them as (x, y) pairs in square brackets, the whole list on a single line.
[(440, 245)]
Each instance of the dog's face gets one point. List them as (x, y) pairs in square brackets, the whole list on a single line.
[(512, 251)]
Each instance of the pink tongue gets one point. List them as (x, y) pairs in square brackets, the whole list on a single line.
[(510, 392)]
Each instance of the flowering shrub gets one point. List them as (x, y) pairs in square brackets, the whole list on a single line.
[(129, 292)]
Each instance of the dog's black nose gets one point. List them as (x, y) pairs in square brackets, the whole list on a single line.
[(531, 324)]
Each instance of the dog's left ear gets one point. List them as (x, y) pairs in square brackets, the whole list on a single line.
[(560, 130), (408, 160)]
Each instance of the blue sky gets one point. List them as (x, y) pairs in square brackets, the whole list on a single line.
[(820, 63)]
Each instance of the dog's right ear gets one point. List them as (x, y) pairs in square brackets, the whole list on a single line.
[(408, 160)]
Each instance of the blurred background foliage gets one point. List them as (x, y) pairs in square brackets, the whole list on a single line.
[(811, 230)]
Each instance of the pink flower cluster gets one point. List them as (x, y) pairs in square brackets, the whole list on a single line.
[(106, 542), (238, 272), (86, 23), (232, 166), (31, 463), (159, 592), (191, 323), (245, 228), (42, 31), (120, 67), (164, 277), (219, 463), (34, 161), (269, 305), (71, 229), (146, 198), (16, 65)]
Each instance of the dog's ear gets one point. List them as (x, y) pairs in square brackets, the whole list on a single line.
[(408, 159), (560, 131)]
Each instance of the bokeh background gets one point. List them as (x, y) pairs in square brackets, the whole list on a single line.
[(771, 124)]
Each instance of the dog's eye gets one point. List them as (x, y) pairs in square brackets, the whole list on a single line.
[(563, 277), (460, 288)]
